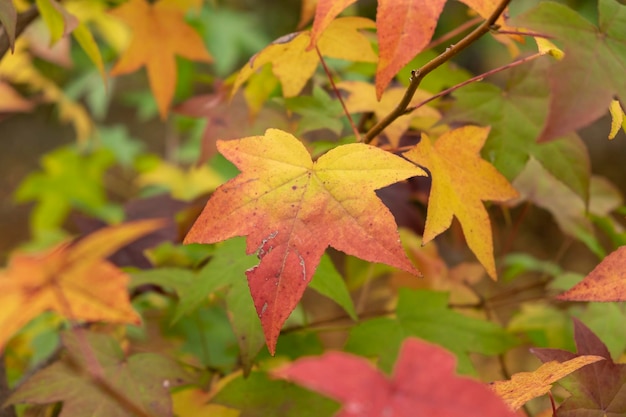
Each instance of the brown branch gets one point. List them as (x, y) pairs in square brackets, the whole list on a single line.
[(474, 79), (23, 20), (418, 75)]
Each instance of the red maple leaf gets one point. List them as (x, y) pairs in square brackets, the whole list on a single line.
[(423, 384), (291, 209)]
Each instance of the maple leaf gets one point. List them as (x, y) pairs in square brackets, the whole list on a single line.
[(592, 72), (160, 33), (293, 65), (59, 21), (597, 389), (362, 98), (461, 180), (291, 209), (607, 281), (144, 378), (524, 386), (516, 114), (404, 29), (72, 279), (423, 383)]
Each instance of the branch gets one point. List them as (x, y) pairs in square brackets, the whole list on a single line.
[(474, 79), (23, 20), (418, 75)]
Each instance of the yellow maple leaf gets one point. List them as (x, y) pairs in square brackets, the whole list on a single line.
[(362, 98), (73, 280), (461, 180), (184, 184), (293, 65), (160, 33), (194, 402), (524, 386)]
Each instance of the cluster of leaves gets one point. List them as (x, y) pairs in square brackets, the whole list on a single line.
[(331, 160)]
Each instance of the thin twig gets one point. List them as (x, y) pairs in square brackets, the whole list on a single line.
[(338, 94), (418, 75), (523, 33), (475, 79), (454, 32)]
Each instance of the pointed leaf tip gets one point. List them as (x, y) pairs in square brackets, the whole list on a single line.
[(291, 209)]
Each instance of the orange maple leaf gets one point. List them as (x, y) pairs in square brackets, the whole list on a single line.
[(73, 280), (159, 34), (461, 179), (524, 386), (291, 209)]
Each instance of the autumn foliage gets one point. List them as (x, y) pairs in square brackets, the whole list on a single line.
[(341, 222)]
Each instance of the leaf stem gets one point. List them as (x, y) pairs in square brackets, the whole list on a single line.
[(338, 94), (475, 79), (454, 32), (418, 75)]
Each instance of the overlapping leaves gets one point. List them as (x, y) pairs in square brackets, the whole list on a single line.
[(291, 209)]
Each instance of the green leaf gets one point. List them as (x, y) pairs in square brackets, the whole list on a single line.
[(425, 314), (516, 115), (58, 20), (86, 41), (592, 72), (516, 264), (318, 111), (446, 76), (119, 141), (608, 322), (69, 180), (207, 335), (544, 325), (569, 211), (177, 279), (259, 396), (227, 270), (231, 37), (327, 281), (145, 379)]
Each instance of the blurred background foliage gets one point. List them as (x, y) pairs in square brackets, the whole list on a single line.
[(52, 177)]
